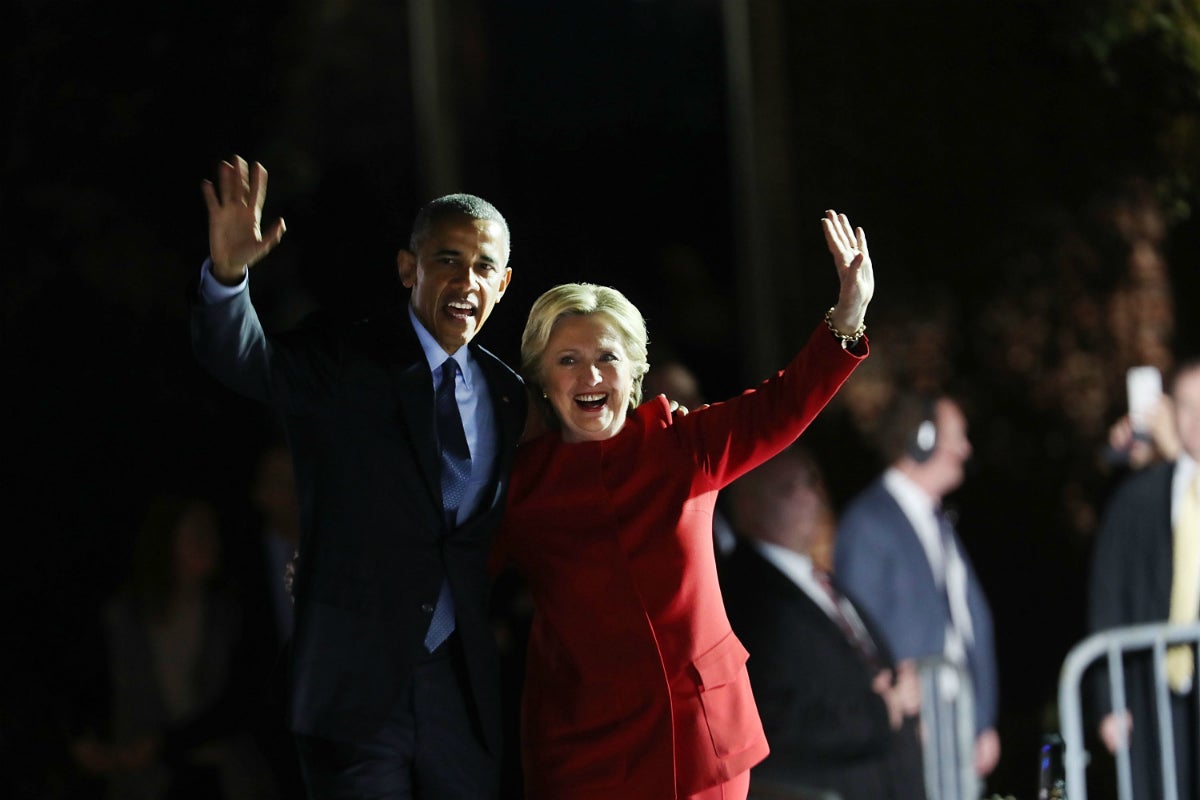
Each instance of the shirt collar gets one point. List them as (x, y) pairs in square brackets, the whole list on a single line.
[(788, 561), (434, 353), (1185, 464), (911, 497)]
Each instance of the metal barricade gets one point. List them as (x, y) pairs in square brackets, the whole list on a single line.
[(948, 730), (1114, 644)]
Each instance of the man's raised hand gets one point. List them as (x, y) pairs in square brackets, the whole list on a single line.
[(235, 237)]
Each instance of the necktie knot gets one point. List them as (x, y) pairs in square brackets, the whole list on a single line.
[(449, 371)]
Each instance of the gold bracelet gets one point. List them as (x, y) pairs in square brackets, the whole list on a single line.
[(847, 340)]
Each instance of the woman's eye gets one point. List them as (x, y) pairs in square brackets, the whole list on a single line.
[(566, 361)]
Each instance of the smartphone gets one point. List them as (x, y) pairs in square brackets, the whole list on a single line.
[(1144, 387)]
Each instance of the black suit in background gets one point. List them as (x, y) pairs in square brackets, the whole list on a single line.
[(1131, 584), (357, 405), (826, 726), (255, 577)]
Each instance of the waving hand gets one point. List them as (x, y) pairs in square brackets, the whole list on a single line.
[(856, 276), (235, 237)]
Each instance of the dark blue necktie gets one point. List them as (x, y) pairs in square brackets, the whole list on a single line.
[(456, 472)]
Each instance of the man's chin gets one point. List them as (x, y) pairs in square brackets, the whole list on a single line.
[(455, 335)]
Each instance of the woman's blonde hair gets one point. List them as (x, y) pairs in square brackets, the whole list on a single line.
[(581, 299)]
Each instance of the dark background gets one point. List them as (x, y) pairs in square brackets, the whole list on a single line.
[(1024, 171)]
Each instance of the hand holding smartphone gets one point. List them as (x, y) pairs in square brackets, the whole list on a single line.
[(1144, 388)]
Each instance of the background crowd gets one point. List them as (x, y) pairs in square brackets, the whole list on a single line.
[(1027, 174)]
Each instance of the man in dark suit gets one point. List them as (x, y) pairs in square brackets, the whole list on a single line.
[(899, 557), (402, 432), (837, 717), (257, 562), (1136, 579)]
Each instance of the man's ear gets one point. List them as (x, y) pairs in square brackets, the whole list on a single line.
[(406, 266), (504, 283)]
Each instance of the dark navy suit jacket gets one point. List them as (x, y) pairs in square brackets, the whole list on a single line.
[(357, 403), (880, 561)]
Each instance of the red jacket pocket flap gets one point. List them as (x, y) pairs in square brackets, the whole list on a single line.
[(721, 664)]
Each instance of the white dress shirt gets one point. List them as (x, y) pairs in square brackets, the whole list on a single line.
[(948, 568)]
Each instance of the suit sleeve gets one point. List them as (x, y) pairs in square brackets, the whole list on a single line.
[(731, 438), (291, 373)]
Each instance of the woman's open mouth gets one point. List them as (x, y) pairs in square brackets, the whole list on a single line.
[(591, 402)]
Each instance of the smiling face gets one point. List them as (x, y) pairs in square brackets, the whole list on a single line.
[(457, 274), (587, 376)]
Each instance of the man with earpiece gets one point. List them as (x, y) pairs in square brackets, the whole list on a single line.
[(898, 555)]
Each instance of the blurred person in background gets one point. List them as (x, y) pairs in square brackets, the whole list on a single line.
[(176, 724), (259, 559), (1146, 569), (838, 713), (899, 557)]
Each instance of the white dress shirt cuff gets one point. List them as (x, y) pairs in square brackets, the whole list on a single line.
[(213, 291)]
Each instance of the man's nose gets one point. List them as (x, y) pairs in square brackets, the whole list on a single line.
[(465, 273)]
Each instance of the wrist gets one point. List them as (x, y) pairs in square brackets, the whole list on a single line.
[(846, 328), (228, 276)]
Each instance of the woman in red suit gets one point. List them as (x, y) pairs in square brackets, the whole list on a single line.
[(636, 687)]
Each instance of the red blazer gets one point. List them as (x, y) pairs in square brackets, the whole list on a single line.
[(636, 686)]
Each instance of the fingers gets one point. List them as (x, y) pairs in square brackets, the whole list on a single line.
[(844, 240), (258, 185), (234, 181), (275, 233), (243, 180), (840, 224), (210, 197)]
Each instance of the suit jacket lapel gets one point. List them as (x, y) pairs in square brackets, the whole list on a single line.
[(507, 410), (785, 588), (1165, 561)]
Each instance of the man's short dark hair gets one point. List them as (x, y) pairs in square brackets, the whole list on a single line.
[(462, 204), (902, 419)]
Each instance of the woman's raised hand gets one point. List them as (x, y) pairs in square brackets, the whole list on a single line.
[(856, 278)]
